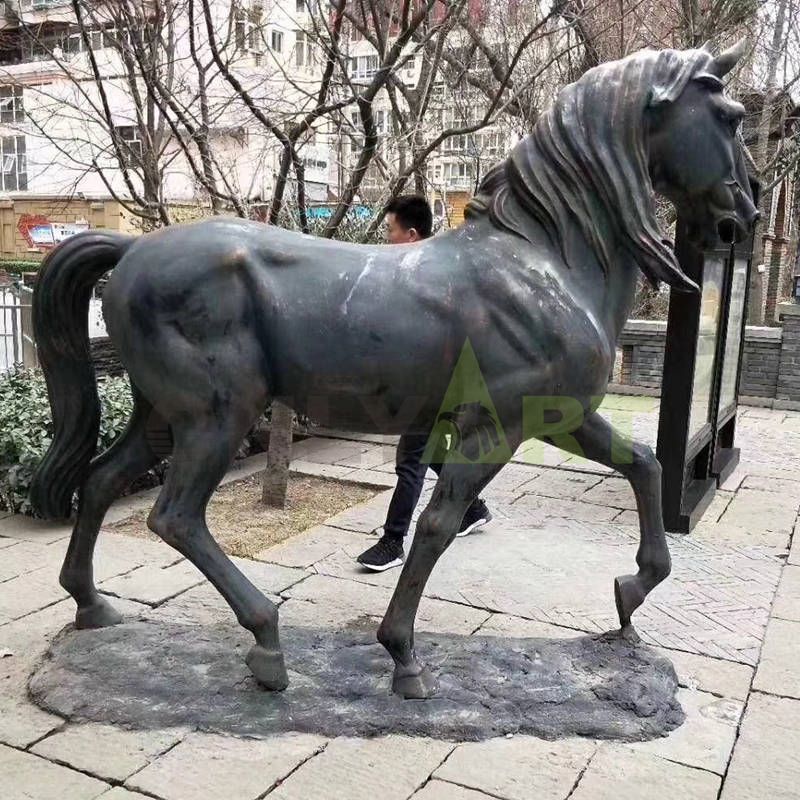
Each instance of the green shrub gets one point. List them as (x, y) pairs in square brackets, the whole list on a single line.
[(17, 267), (26, 428)]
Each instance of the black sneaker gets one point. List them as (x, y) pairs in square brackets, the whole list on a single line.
[(476, 516), (386, 553)]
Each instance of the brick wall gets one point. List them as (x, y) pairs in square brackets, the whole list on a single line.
[(760, 361), (788, 385), (105, 357), (642, 350)]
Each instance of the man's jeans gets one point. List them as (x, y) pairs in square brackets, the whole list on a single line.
[(410, 477)]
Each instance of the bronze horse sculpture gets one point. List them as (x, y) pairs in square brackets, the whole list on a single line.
[(213, 320)]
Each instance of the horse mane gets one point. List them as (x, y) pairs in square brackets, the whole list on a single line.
[(586, 162)]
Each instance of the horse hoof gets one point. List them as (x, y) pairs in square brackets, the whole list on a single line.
[(100, 614), (628, 633), (268, 667), (629, 594), (415, 687)]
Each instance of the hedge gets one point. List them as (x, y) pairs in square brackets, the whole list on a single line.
[(26, 428), (17, 267)]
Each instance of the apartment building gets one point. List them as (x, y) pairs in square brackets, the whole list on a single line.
[(58, 132)]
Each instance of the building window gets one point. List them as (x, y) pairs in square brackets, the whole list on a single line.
[(15, 169), (363, 67), (303, 52), (276, 41), (300, 7), (130, 144), (11, 109)]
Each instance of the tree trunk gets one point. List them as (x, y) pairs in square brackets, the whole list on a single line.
[(759, 281), (275, 479)]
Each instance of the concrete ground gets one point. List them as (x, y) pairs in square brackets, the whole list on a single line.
[(728, 618)]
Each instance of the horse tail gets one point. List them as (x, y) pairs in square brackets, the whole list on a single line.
[(61, 329)]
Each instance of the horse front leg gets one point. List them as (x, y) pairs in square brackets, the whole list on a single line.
[(635, 461), (457, 487)]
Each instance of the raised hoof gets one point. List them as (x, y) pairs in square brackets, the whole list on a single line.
[(415, 687), (629, 594), (100, 614), (268, 667)]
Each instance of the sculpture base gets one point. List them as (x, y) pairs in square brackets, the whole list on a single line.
[(155, 674)]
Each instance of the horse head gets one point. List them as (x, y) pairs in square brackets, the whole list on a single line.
[(696, 156)]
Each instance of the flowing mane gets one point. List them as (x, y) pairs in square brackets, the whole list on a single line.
[(586, 162)]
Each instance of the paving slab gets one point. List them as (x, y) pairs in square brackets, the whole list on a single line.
[(787, 598), (319, 470), (519, 768), (324, 450), (794, 553), (778, 671), (354, 769), (364, 517), (133, 551), (614, 492), (331, 602), (713, 675), (153, 584), (627, 518), (734, 480), (759, 510), (34, 530), (538, 454), (549, 507), (24, 776), (105, 751), (562, 484), (224, 768), (788, 489), (21, 722), (121, 793), (366, 459), (444, 790), (202, 605), (28, 593), (29, 557), (514, 476), (765, 763), (508, 625), (705, 740), (620, 773), (372, 477), (708, 530), (311, 546)]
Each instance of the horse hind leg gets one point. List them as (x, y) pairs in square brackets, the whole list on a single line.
[(110, 474), (202, 453)]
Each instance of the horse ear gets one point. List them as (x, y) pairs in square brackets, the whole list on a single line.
[(726, 61)]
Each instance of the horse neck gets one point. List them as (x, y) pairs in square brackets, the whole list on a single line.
[(607, 295)]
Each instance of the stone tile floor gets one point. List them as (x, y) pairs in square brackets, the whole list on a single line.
[(728, 618)]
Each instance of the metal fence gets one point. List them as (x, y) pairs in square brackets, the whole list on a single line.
[(11, 321)]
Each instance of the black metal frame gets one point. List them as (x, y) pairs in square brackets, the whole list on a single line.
[(688, 484)]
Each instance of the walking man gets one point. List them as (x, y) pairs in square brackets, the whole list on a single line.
[(409, 219)]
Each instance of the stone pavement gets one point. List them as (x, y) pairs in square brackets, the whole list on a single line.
[(728, 618)]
